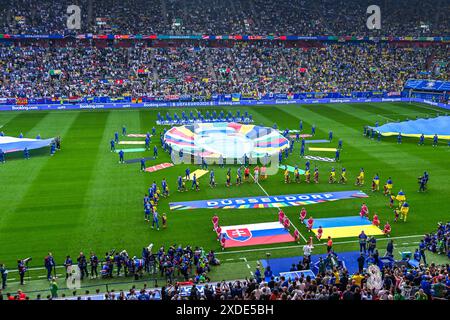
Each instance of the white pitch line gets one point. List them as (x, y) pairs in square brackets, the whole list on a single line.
[(264, 190)]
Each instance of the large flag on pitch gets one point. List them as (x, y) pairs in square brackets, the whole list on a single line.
[(255, 234)]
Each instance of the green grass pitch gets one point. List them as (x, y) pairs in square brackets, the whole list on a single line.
[(82, 199)]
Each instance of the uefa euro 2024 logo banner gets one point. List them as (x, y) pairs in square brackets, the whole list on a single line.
[(226, 143)]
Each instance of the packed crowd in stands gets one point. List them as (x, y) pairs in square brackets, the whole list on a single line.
[(251, 68), (254, 17), (185, 271)]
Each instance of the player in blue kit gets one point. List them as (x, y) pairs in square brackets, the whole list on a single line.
[(340, 144), (435, 140), (286, 153), (280, 156), (147, 143), (113, 145), (153, 131), (155, 152), (421, 140), (165, 188), (52, 148), (180, 184), (399, 138), (301, 125), (116, 137), (187, 174), (330, 135), (124, 130), (155, 220), (313, 130), (38, 137), (26, 153), (195, 183), (2, 156), (302, 151), (142, 164), (147, 211), (338, 153), (212, 180), (121, 153)]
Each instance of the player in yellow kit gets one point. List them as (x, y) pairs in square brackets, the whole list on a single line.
[(360, 178), (332, 178)]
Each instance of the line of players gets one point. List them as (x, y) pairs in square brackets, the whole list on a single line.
[(370, 133), (151, 201)]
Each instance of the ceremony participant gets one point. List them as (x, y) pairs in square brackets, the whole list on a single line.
[(332, 178), (287, 177), (2, 156), (281, 216), (376, 183), (391, 201), (264, 172), (147, 143), (296, 175), (319, 233), (256, 174), (307, 176), (364, 212), (310, 223), (228, 178), (26, 153), (165, 188), (338, 153), (401, 197), (164, 220), (387, 229), (296, 236), (329, 244), (375, 220), (180, 184), (435, 140), (404, 211), (360, 178), (215, 221), (212, 180), (286, 223), (343, 179), (147, 211), (421, 140), (222, 242), (388, 187), (246, 173), (195, 183), (302, 150), (362, 242), (155, 219), (239, 176), (396, 214), (303, 214), (316, 175)]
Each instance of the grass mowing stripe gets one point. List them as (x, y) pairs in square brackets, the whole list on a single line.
[(14, 221)]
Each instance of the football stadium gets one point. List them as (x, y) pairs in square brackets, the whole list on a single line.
[(224, 150)]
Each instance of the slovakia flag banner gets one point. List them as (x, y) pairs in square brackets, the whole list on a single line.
[(255, 234)]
